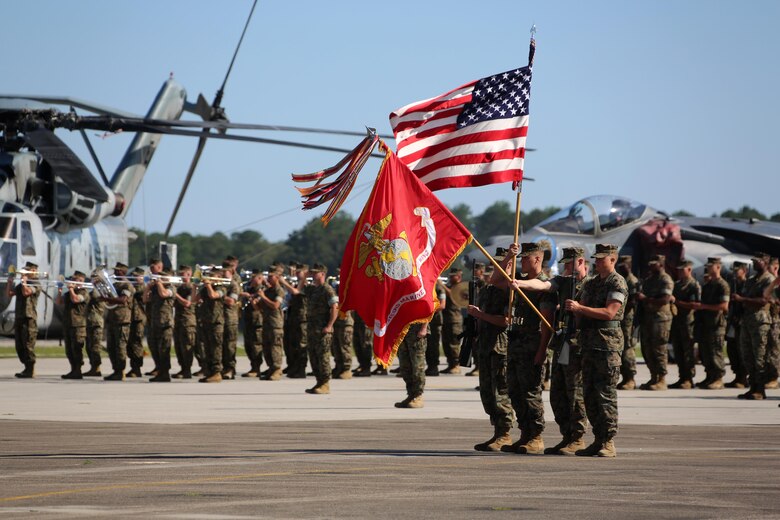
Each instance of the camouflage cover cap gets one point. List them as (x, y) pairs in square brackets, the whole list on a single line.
[(184, 267), (625, 259), (500, 254), (657, 259), (737, 265), (78, 273), (571, 253), (120, 266), (455, 270), (138, 271), (529, 248), (604, 250), (302, 267), (684, 264), (712, 260), (318, 268), (479, 265), (30, 265), (274, 269), (761, 256)]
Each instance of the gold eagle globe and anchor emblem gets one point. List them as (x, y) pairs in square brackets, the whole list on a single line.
[(393, 258)]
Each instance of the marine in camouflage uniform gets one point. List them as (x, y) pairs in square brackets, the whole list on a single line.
[(656, 322), (711, 318), (476, 285), (25, 320), (270, 301), (135, 339), (756, 323), (773, 345), (96, 309), (411, 358), (363, 342), (343, 336), (686, 294), (118, 323), (184, 323), (491, 349), (321, 312), (253, 323), (452, 325), (161, 297), (527, 351), (232, 313), (566, 394), (295, 324), (734, 326), (628, 357), (433, 345), (599, 310), (213, 327), (75, 300)]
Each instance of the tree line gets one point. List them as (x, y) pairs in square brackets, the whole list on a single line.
[(313, 243)]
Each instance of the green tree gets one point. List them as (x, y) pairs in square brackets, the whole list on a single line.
[(463, 213), (775, 217), (536, 215), (682, 213), (313, 243), (744, 212), (497, 219)]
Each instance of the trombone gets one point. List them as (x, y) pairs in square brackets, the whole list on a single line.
[(18, 273)]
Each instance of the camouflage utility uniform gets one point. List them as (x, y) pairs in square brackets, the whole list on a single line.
[(491, 349), (184, 328), (343, 332), (712, 329), (96, 309), (26, 324), (296, 332), (681, 332), (756, 324), (411, 357), (656, 324), (118, 327), (135, 339), (319, 300)]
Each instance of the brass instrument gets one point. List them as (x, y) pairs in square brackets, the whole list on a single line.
[(13, 271), (460, 294), (202, 275), (101, 281)]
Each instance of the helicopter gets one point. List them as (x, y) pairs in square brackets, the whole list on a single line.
[(641, 231)]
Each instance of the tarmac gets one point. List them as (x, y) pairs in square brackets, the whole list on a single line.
[(263, 449)]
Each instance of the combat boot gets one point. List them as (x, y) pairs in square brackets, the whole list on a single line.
[(473, 373), (512, 448), (653, 380), (73, 374), (592, 450), (573, 447), (555, 450), (93, 372), (503, 438), (27, 373), (737, 383), (627, 384), (756, 394), (230, 373), (116, 376), (379, 371), (319, 388), (717, 384), (607, 450), (533, 446), (252, 371), (276, 375), (703, 383), (163, 376), (452, 369), (660, 384), (416, 402), (216, 377), (432, 371), (483, 446), (152, 372), (772, 385), (682, 384), (362, 372), (346, 374), (134, 373)]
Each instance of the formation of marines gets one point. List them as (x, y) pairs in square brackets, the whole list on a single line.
[(587, 321)]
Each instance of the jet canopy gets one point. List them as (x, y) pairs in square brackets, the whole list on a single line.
[(595, 215)]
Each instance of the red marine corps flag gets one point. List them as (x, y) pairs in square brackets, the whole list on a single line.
[(404, 239)]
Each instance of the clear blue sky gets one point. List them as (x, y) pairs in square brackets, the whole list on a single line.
[(671, 103)]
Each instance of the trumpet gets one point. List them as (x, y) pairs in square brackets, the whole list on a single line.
[(213, 280), (12, 271)]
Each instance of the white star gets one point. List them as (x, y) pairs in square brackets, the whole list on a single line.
[(514, 111), (490, 90), (472, 117), (505, 75), (503, 113), (500, 86), (477, 93)]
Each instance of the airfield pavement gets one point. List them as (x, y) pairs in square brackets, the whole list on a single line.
[(261, 449)]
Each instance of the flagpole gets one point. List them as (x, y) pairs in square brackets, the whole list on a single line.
[(500, 269)]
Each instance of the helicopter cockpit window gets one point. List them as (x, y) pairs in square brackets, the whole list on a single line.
[(577, 219), (27, 241), (615, 212), (7, 228)]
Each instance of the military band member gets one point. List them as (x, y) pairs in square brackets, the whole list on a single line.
[(773, 345), (184, 323), (411, 357), (135, 340), (253, 323), (74, 296), (296, 327), (756, 323), (155, 269), (159, 293), (452, 325), (734, 326), (656, 323), (628, 359), (232, 311), (685, 297), (434, 333), (527, 350), (711, 315), (477, 285), (270, 301), (118, 322), (25, 318), (212, 298), (96, 310), (491, 348), (599, 310), (321, 312), (363, 342)]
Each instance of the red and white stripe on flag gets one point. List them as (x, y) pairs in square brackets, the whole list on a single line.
[(471, 136)]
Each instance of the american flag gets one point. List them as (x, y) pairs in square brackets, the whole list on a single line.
[(471, 136)]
